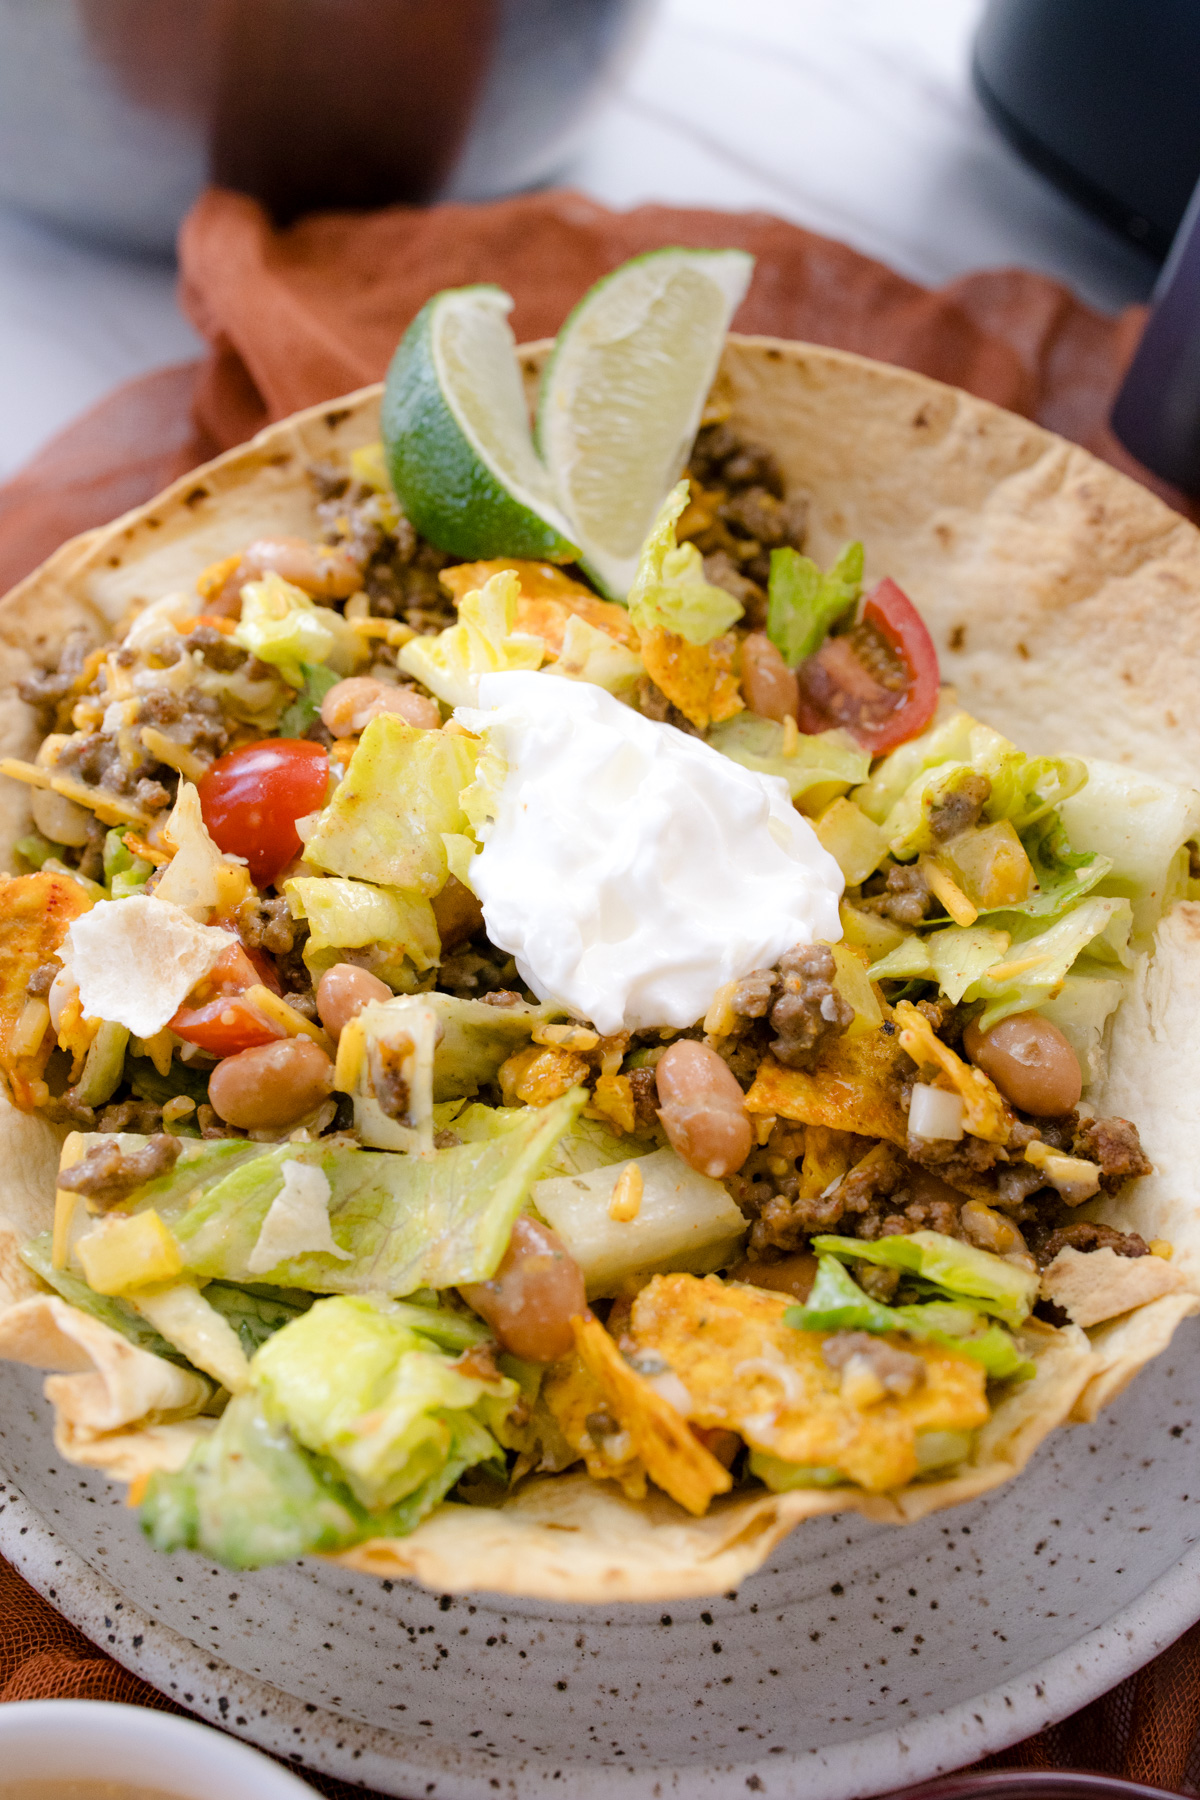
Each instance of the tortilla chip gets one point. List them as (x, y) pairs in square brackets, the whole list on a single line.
[(1061, 598), (109, 1394), (697, 678), (852, 1088), (1100, 1284)]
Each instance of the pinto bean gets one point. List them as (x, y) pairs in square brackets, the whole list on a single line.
[(350, 705), (343, 991), (323, 571), (533, 1296), (770, 687), (703, 1109), (1030, 1061), (272, 1086), (457, 912)]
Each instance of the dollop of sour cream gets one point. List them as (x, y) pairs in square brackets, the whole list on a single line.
[(632, 870)]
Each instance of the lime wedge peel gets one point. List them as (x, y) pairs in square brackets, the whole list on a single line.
[(456, 434), (623, 393)]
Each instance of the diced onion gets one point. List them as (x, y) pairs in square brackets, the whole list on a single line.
[(935, 1113)]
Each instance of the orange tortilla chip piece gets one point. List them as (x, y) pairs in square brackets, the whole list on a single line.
[(697, 678), (548, 598), (672, 1455), (35, 911), (852, 1088)]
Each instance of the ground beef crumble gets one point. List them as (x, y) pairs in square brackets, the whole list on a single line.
[(108, 1174), (1084, 1234)]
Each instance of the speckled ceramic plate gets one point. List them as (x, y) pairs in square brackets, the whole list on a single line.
[(862, 1658)]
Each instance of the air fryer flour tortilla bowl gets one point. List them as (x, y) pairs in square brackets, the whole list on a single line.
[(1062, 599)]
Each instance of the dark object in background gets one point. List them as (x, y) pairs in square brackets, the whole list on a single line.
[(1102, 97), (1157, 412), (114, 114), (1030, 1784)]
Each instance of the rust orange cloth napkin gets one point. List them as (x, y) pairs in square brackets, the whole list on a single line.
[(299, 316)]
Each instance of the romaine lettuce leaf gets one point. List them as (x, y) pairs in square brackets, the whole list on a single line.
[(254, 1314), (954, 958), (837, 1303), (589, 654), (484, 642), (117, 1314), (669, 591), (803, 603), (1140, 823), (124, 873), (819, 768), (282, 626), (305, 708), (900, 793), (358, 1385), (1036, 963), (400, 794), (959, 1269), (248, 1496), (477, 1038), (408, 1222)]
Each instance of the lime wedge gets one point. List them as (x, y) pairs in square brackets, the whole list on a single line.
[(456, 434), (623, 393)]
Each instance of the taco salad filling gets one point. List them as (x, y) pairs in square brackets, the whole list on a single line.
[(503, 1025)]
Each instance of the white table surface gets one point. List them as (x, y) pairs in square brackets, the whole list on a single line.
[(853, 117)]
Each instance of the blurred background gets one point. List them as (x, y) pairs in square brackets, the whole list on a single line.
[(861, 119)]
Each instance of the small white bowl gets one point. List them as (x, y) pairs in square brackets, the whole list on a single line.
[(90, 1740)]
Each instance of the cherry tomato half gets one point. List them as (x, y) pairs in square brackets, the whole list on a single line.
[(224, 1026), (881, 706), (216, 1017), (252, 797)]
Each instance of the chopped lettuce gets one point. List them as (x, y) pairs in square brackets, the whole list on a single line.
[(961, 1270), (591, 1144), (669, 592), (483, 642), (818, 768), (1036, 963), (355, 915), (199, 877), (837, 1303), (400, 794), (385, 1063), (1063, 875), (360, 1386), (1140, 824), (781, 1476), (117, 1314), (103, 1066), (589, 654), (409, 1222), (476, 1038), (124, 873), (306, 707), (255, 1313), (954, 958), (248, 1496), (803, 602), (908, 782), (1081, 1009), (280, 625)]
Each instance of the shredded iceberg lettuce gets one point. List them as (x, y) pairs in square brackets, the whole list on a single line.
[(803, 602), (305, 708), (669, 591)]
